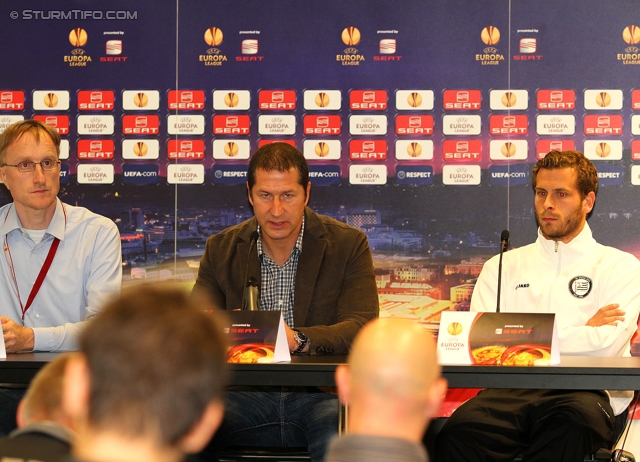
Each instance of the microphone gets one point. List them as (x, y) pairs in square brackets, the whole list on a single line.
[(504, 246), (251, 295), (250, 289), (504, 240)]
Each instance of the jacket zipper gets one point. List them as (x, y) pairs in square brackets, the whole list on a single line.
[(555, 280)]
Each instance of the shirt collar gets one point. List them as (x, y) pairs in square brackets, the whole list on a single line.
[(47, 427), (297, 247), (582, 244), (10, 221)]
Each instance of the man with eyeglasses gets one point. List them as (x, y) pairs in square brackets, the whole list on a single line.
[(60, 263)]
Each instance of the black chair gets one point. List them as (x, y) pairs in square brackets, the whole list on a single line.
[(606, 455), (611, 455), (614, 455), (275, 454), (602, 455)]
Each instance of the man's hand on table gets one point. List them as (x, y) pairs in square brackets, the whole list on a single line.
[(16, 337)]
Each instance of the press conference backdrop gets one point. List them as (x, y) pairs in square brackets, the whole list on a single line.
[(420, 120)]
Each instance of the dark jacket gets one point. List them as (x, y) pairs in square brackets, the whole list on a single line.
[(335, 288), (42, 441)]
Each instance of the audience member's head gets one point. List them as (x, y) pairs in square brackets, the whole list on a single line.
[(43, 400), (151, 372), (392, 381)]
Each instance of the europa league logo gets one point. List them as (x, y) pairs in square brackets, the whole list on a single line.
[(322, 99), (78, 37), (490, 35), (631, 35), (414, 99), (140, 149), (51, 100), (455, 328), (509, 99), (231, 99), (322, 149), (603, 149), (414, 149), (351, 36), (603, 99), (231, 149), (508, 149), (213, 36), (140, 99)]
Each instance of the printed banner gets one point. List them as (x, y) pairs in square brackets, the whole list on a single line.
[(256, 337), (498, 339)]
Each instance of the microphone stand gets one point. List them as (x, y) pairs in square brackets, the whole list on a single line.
[(504, 245), (250, 284)]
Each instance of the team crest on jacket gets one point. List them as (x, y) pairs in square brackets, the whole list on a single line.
[(580, 286)]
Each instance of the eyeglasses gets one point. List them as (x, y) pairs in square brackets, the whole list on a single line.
[(47, 164)]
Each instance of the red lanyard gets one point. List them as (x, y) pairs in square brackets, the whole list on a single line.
[(41, 275)]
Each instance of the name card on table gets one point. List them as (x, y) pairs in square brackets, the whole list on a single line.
[(3, 349), (501, 339), (256, 337)]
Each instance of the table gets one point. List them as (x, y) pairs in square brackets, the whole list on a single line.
[(574, 373), (21, 367)]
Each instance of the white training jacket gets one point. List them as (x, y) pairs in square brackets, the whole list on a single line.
[(574, 281)]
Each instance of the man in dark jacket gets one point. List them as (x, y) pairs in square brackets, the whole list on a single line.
[(316, 270)]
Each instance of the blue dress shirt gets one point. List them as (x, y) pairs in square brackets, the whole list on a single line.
[(85, 273)]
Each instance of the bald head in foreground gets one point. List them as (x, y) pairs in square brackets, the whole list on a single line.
[(392, 387)]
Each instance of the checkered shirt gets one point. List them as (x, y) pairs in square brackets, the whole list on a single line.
[(278, 282)]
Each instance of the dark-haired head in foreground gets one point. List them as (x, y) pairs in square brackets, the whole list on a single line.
[(148, 384)]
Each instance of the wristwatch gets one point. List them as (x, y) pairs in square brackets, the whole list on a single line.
[(301, 339)]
